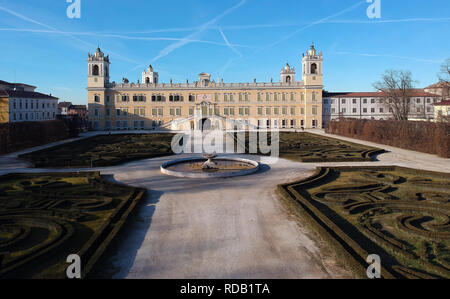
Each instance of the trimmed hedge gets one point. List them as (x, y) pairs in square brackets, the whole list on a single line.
[(426, 137), (22, 135)]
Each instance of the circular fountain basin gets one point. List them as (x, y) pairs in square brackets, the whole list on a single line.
[(193, 168)]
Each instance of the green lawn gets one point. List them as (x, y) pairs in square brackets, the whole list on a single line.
[(46, 217), (103, 150), (398, 213)]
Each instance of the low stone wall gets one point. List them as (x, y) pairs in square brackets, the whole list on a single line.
[(18, 136)]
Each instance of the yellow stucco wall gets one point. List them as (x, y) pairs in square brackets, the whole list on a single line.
[(305, 106), (4, 110), (441, 110)]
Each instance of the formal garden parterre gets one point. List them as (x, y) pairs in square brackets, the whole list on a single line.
[(45, 217), (103, 150), (310, 148), (398, 213)]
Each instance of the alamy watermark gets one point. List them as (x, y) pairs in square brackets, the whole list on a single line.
[(374, 269), (74, 9), (263, 142), (73, 271), (374, 9)]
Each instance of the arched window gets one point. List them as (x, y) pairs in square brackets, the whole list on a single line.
[(95, 70), (313, 68), (147, 80), (288, 79)]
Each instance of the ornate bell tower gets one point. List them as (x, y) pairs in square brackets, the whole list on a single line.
[(312, 67), (98, 69), (150, 76), (287, 74)]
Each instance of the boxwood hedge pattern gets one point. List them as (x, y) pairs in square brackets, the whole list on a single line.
[(46, 217), (398, 213), (103, 150), (310, 148)]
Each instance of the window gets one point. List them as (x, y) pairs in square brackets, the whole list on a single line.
[(364, 110), (428, 101), (276, 110), (160, 111), (96, 99), (343, 101), (292, 110), (292, 97), (259, 97), (313, 68), (191, 111), (302, 111), (154, 112), (260, 110), (354, 110), (95, 70), (314, 110), (226, 111), (364, 101), (216, 97), (372, 110), (325, 101), (372, 101), (241, 111), (418, 101), (284, 111), (283, 97), (344, 110), (275, 97), (172, 111), (381, 110), (118, 112), (268, 110), (96, 112), (107, 99), (142, 110), (118, 124), (354, 101), (428, 109), (125, 98), (108, 112), (267, 97), (178, 111), (333, 110), (313, 96)]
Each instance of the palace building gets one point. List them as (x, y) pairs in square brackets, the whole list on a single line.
[(205, 104)]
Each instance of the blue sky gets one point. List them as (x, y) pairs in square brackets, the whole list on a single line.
[(236, 40)]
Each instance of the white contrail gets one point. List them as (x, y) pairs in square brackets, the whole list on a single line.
[(169, 49), (55, 30), (227, 42)]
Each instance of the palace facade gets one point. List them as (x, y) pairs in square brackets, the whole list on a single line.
[(205, 104)]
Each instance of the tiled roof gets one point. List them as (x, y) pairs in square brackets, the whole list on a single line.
[(64, 104), (78, 107), (3, 93), (443, 103), (415, 93), (14, 84), (29, 95), (438, 85)]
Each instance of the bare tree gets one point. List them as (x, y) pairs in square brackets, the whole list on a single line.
[(396, 90), (444, 75), (444, 78)]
